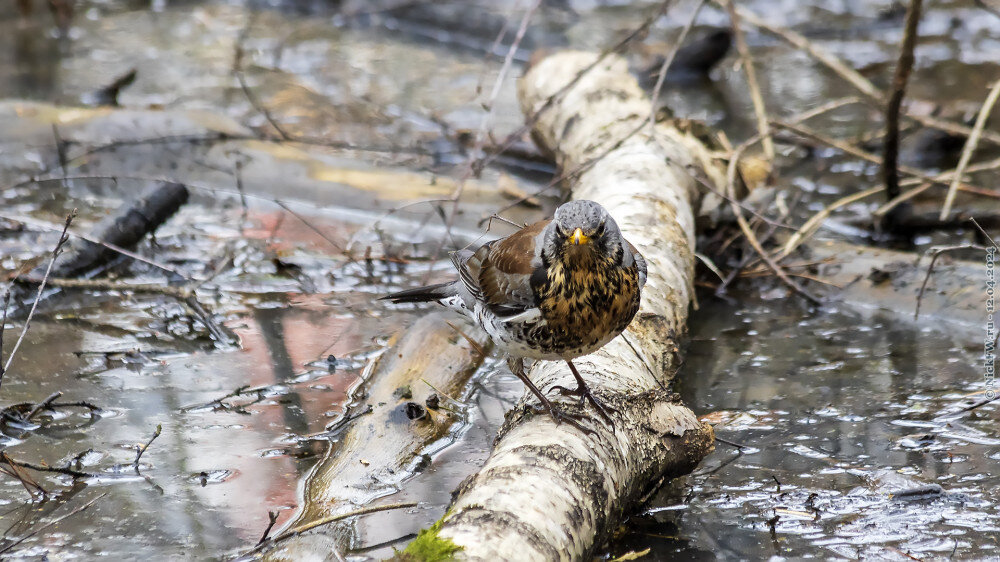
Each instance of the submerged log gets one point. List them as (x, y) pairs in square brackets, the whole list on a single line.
[(123, 230), (551, 491), (379, 450), (134, 220)]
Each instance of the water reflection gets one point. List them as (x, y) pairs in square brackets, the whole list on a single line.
[(215, 471)]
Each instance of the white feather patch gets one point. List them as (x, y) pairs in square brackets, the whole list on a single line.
[(528, 316)]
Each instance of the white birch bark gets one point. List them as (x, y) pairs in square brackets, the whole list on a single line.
[(553, 492)]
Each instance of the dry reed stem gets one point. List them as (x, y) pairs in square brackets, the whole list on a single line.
[(760, 112), (970, 147)]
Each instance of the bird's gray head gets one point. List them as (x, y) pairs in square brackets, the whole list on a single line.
[(585, 229)]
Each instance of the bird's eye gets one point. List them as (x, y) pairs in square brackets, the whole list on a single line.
[(600, 230)]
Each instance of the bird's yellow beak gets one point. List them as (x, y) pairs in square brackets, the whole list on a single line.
[(579, 237)]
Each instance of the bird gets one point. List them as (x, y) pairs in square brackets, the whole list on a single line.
[(554, 290)]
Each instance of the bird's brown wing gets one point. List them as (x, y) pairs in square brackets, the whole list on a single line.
[(640, 262), (499, 272)]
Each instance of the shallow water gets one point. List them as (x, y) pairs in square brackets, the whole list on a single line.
[(820, 404), (818, 401)]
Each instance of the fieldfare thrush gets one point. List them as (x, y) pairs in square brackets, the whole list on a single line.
[(555, 290)]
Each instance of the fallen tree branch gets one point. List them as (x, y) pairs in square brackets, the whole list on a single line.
[(553, 491), (114, 237), (134, 221), (57, 520)]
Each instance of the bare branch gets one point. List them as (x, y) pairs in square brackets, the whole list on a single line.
[(890, 150)]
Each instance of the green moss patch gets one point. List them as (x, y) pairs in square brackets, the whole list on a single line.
[(429, 547)]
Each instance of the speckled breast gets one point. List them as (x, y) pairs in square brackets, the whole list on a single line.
[(584, 309)]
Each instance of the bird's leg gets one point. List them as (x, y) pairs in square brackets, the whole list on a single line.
[(583, 391), (517, 367)]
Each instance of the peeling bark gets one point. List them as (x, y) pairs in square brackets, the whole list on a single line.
[(553, 492)]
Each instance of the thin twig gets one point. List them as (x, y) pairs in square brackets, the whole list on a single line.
[(141, 450), (111, 285), (763, 126), (213, 327), (920, 178), (272, 517), (240, 76), (475, 164), (853, 77), (853, 150), (978, 404), (29, 483), (985, 6), (940, 179), (238, 175), (63, 238), (661, 76), (43, 404), (93, 240), (3, 325), (60, 152), (748, 232), (294, 531), (46, 468), (984, 233), (930, 268), (812, 225), (970, 147), (890, 150), (312, 227), (475, 345), (215, 137), (556, 96), (758, 215)]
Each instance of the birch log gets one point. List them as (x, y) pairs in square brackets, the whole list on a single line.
[(553, 492), (381, 449)]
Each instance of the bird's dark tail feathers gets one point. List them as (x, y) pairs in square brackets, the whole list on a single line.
[(429, 293)]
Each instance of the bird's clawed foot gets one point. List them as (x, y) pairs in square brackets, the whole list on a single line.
[(560, 416), (583, 391)]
